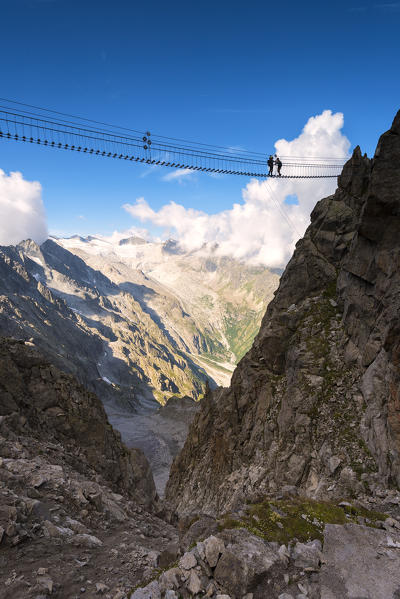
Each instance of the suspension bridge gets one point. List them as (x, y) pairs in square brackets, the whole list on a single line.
[(41, 126)]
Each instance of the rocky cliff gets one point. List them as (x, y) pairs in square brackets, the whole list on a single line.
[(315, 403)]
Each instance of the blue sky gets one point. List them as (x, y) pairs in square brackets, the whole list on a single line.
[(242, 74)]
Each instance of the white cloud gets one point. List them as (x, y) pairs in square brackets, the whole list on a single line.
[(116, 236), (22, 213), (178, 174), (261, 229), (149, 170)]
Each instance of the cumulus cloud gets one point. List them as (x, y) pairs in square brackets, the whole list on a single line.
[(22, 213), (264, 228)]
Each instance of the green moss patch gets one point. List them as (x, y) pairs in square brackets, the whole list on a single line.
[(330, 290), (301, 519)]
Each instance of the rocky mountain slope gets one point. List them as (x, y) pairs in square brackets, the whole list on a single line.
[(143, 319), (77, 516), (89, 326), (210, 306), (314, 405), (70, 492)]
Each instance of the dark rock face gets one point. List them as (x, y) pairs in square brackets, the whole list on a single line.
[(39, 401), (369, 287), (315, 403)]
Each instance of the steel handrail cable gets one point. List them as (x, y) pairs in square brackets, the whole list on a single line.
[(104, 153), (215, 156), (80, 130), (71, 125), (243, 151), (73, 133), (167, 147), (121, 127), (41, 117), (94, 134)]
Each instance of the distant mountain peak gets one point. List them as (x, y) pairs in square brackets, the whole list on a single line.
[(79, 238), (172, 246), (29, 245)]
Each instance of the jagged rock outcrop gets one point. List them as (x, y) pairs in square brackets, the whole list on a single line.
[(315, 403), (235, 565)]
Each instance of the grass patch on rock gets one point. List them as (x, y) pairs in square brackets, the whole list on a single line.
[(302, 519)]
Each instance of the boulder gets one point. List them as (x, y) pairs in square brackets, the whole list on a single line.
[(101, 588), (170, 579), (151, 591), (245, 561), (213, 548), (194, 584), (199, 530), (169, 555), (359, 562), (188, 561), (88, 541), (307, 555)]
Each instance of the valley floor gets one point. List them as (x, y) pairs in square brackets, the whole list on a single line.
[(159, 432)]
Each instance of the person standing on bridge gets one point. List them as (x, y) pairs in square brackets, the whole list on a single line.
[(270, 163), (279, 166)]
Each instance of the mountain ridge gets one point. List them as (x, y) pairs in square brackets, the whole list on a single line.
[(202, 299), (88, 312)]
